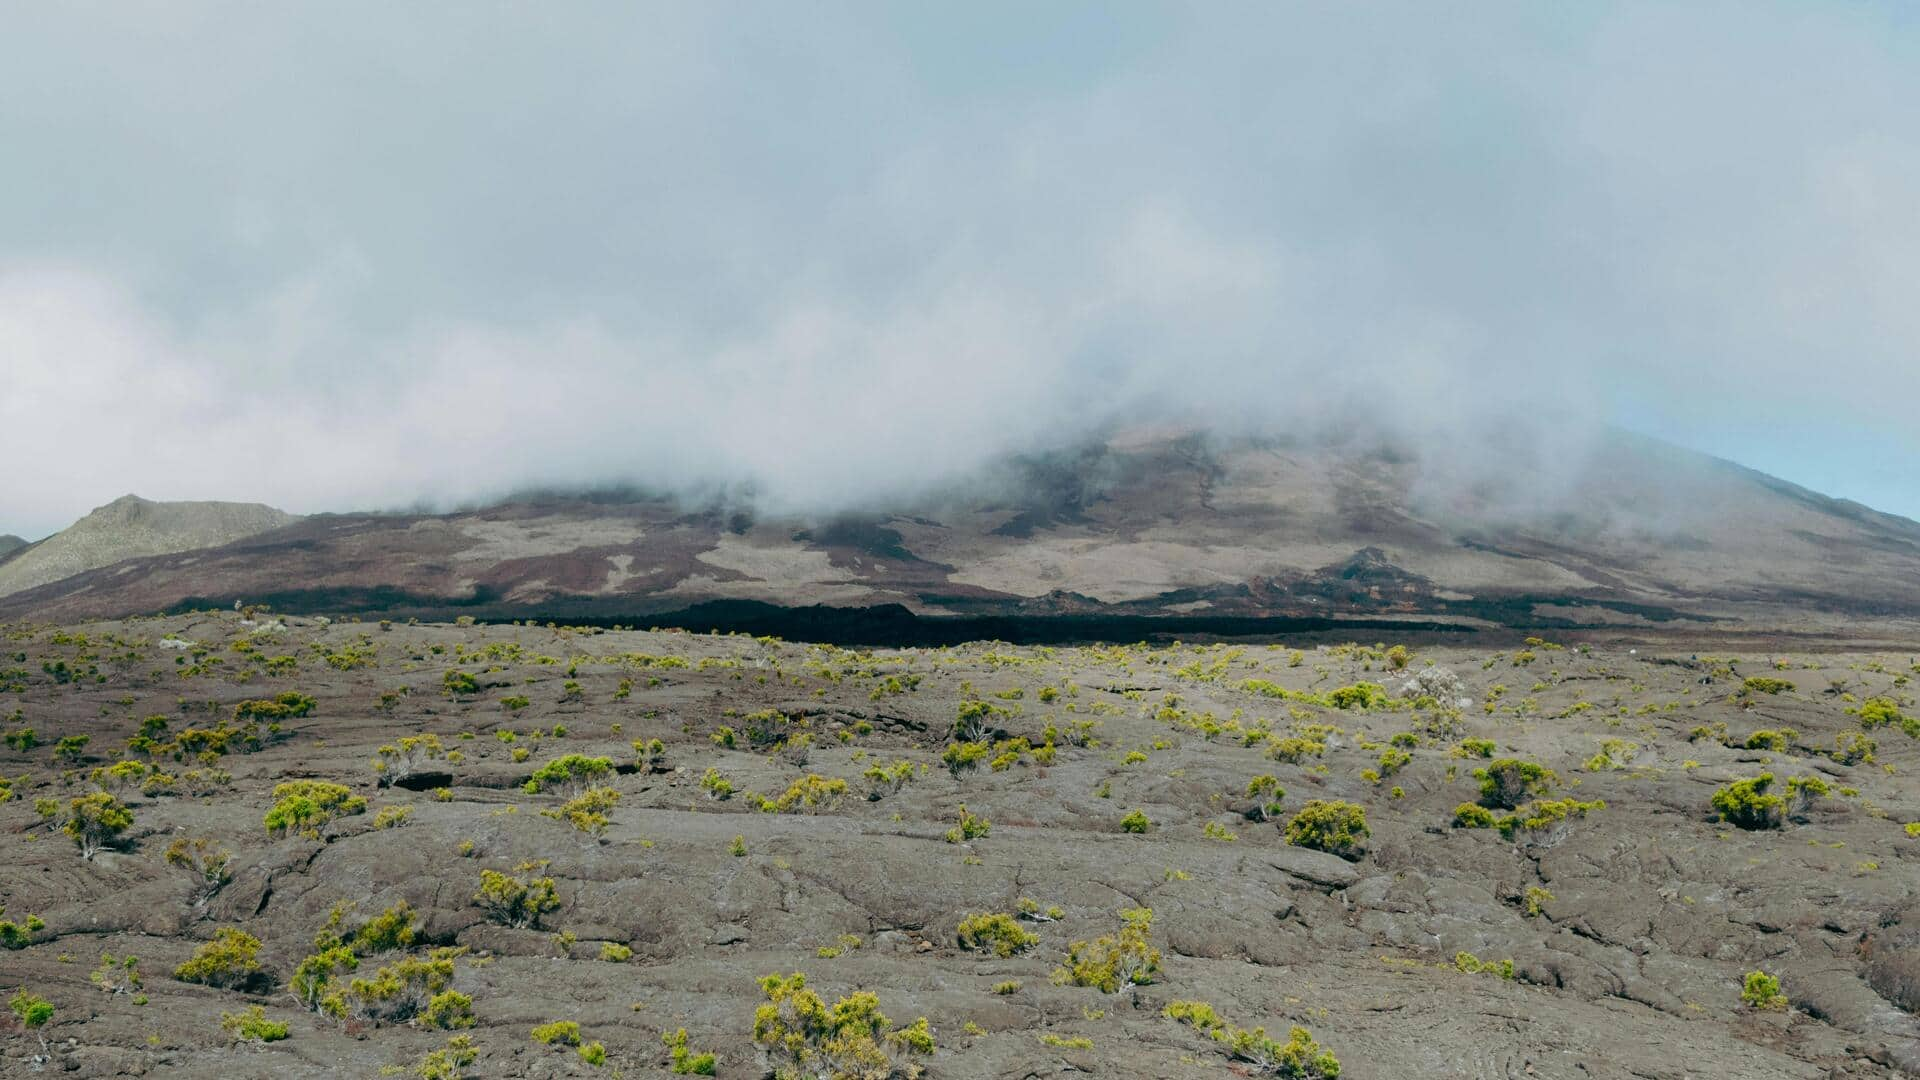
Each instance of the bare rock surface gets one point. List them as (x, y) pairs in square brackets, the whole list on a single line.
[(1610, 941)]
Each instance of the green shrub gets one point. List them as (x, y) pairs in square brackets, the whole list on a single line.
[(405, 756), (1469, 964), (459, 684), (972, 826), (997, 933), (1294, 749), (1770, 740), (33, 1011), (1474, 748), (805, 1037), (1362, 696), (615, 953), (1338, 828), (590, 812), (20, 935), (594, 1053), (1545, 814), (1762, 991), (517, 900), (1746, 803), (1136, 822), (1885, 712), (1299, 1056), (288, 706), (229, 960), (22, 739), (95, 821), (1115, 961), (564, 1032), (1472, 816), (71, 748), (716, 786), (405, 988), (570, 775), (449, 1010), (685, 1062), (252, 1025), (962, 757), (812, 793), (449, 1062), (1508, 782), (1266, 793), (303, 806), (1762, 684)]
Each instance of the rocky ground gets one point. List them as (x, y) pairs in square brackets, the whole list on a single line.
[(1566, 939)]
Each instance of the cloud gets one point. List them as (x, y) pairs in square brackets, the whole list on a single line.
[(341, 256)]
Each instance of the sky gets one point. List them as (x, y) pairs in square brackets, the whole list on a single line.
[(361, 255)]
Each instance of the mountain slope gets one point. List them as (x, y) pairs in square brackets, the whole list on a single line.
[(9, 544), (1145, 524), (130, 527)]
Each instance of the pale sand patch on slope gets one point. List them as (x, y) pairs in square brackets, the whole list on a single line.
[(1115, 573), (499, 541)]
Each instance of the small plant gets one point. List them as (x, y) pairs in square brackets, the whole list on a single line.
[(590, 812), (684, 1061), (1065, 1042), (1537, 899), (1763, 684), (305, 805), (738, 847), (1469, 964), (392, 817), (449, 1062), (32, 1010), (1747, 805), (95, 821), (117, 976), (1508, 782), (650, 755), (1762, 991), (1266, 793), (252, 1026), (404, 757), (19, 935), (972, 827), (804, 1037), (1136, 822), (229, 960), (996, 933), (561, 1032), (449, 1010), (615, 953), (1473, 748), (1009, 987), (1115, 961), (517, 900), (1031, 909), (716, 786), (71, 749), (1338, 828), (570, 775)]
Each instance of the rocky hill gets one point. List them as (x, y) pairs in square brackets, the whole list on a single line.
[(128, 528), (1158, 526)]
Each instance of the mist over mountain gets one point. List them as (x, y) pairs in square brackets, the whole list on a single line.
[(1150, 523), (348, 257)]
